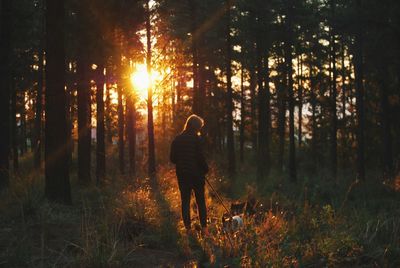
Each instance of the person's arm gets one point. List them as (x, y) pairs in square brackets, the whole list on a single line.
[(172, 155)]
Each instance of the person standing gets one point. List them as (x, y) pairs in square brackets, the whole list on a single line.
[(191, 168)]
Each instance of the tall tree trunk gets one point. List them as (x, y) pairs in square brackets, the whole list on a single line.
[(282, 117), (242, 114), (70, 90), (253, 106), (14, 128), (289, 68), (229, 97), (38, 115), (84, 101), (56, 154), (333, 95), (121, 130), (108, 115), (5, 91), (263, 113), (344, 119), (268, 119), (131, 129), (23, 136), (150, 123), (300, 94), (100, 127), (313, 100), (359, 76), (194, 52)]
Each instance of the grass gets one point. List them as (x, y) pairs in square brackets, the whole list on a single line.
[(313, 223)]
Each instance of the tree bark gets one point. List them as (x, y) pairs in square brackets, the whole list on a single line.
[(300, 94), (23, 136), (150, 123), (263, 105), (121, 130), (253, 106), (229, 97), (344, 119), (313, 100), (84, 101), (39, 114), (100, 127), (281, 117), (56, 154), (242, 114), (14, 129), (333, 95), (5, 91), (194, 52), (108, 115), (131, 129), (289, 71), (359, 76)]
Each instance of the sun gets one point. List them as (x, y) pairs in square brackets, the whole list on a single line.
[(140, 80)]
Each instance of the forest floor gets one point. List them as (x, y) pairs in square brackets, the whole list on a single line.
[(118, 225), (138, 224)]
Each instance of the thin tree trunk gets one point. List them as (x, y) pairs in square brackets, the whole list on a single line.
[(359, 76), (131, 129), (84, 101), (313, 115), (253, 107), (300, 85), (194, 52), (333, 96), (344, 119), (108, 114), (100, 128), (14, 128), (263, 110), (38, 114), (150, 123), (288, 62), (23, 136), (56, 155), (343, 89), (281, 117), (69, 96), (242, 114), (5, 91), (229, 97), (121, 130)]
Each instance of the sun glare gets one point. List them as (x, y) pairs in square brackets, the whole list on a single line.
[(140, 80)]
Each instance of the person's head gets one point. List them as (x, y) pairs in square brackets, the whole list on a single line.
[(194, 123)]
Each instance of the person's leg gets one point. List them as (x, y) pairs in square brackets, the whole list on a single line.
[(201, 203), (185, 191)]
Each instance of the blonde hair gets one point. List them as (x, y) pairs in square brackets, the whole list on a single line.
[(194, 123)]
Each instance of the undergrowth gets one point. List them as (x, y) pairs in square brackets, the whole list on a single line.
[(313, 223)]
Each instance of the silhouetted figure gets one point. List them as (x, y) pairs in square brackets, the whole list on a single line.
[(191, 168)]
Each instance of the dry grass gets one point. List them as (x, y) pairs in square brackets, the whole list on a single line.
[(137, 225)]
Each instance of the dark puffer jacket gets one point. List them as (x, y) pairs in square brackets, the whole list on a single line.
[(187, 154)]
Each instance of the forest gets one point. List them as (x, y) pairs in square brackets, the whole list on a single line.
[(301, 107)]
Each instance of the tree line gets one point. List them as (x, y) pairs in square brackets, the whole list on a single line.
[(293, 85)]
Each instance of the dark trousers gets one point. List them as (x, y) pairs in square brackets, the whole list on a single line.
[(186, 185)]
